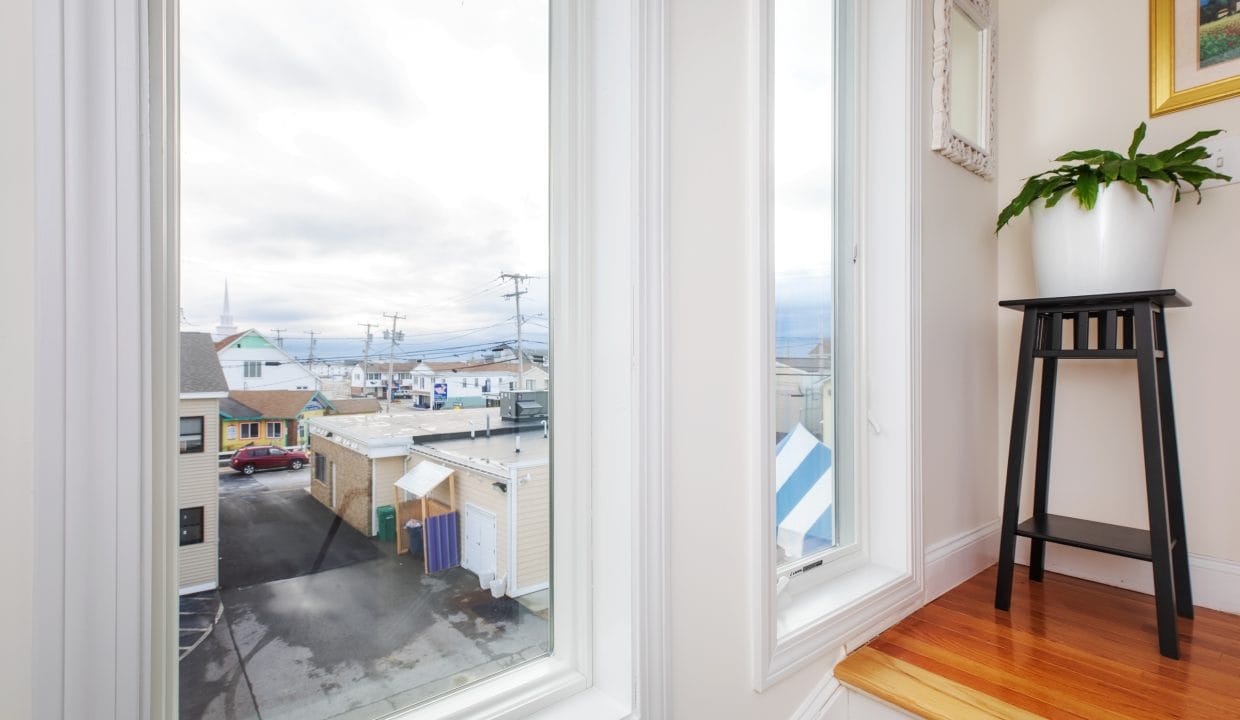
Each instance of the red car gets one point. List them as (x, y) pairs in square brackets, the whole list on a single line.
[(252, 459)]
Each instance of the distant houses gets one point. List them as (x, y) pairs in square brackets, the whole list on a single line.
[(446, 385), (278, 417), (203, 388), (252, 362)]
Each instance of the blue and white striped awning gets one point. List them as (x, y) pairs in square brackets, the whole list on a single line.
[(804, 494)]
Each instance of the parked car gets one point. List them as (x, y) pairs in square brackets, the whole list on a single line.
[(249, 460)]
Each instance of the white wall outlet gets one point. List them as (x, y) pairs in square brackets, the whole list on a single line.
[(1224, 158)]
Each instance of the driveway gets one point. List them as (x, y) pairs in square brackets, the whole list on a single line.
[(348, 632), (272, 529)]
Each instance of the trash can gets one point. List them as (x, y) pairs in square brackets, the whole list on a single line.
[(414, 528), (387, 523)]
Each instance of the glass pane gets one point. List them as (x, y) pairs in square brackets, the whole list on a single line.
[(967, 77), (802, 132), (365, 218)]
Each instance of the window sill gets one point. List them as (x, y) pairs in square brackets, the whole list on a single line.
[(837, 614), (549, 687)]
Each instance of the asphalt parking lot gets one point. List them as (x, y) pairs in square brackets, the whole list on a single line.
[(320, 621)]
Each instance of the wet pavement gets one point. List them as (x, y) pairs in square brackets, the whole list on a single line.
[(275, 534), (365, 634)]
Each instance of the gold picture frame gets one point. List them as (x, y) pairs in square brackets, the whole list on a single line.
[(1165, 97)]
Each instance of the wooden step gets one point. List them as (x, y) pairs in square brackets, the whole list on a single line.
[(919, 691)]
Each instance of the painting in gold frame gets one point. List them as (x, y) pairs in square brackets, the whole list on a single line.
[(1194, 53)]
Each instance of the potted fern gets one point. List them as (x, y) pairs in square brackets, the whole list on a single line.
[(1113, 238)]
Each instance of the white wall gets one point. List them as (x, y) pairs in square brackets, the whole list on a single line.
[(17, 360), (958, 371), (1075, 75)]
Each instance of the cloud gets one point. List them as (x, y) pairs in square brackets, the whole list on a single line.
[(341, 160)]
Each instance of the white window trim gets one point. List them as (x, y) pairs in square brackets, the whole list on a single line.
[(107, 267), (883, 581)]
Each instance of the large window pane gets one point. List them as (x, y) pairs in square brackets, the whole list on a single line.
[(365, 219), (802, 144)]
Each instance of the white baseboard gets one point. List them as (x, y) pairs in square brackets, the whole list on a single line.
[(952, 561), (827, 701), (1216, 582)]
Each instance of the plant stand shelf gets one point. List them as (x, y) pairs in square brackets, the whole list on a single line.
[(1125, 326)]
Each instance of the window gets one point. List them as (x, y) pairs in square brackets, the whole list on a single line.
[(191, 435), (191, 525), (812, 485), (835, 305), (149, 676), (529, 384), (395, 74), (253, 369)]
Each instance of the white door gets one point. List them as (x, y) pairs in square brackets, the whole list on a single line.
[(478, 541)]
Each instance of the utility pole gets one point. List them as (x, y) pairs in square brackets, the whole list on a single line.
[(310, 361), (394, 337), (279, 336), (366, 354), (516, 294)]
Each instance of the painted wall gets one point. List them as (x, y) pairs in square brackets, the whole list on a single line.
[(17, 362), (958, 370), (1052, 100)]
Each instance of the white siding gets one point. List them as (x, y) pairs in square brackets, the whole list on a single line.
[(533, 527), (198, 485)]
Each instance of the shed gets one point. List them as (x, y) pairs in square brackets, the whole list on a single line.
[(412, 503)]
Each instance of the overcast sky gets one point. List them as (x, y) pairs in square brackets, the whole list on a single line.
[(345, 159), (341, 160)]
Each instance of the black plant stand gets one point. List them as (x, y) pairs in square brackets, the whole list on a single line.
[(1132, 326)]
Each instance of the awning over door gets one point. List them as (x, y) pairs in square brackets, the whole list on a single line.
[(423, 478), (804, 494)]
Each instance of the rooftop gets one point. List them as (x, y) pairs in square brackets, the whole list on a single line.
[(200, 366), (374, 432), (498, 450)]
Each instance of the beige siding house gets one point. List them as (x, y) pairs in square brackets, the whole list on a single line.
[(503, 495), (202, 387)]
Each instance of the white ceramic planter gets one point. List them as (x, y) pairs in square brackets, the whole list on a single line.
[(1119, 246)]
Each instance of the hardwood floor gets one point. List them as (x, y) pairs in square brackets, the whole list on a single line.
[(1068, 649)]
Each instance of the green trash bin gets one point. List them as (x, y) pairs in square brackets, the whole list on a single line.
[(387, 523)]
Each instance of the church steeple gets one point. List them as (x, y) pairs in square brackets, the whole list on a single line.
[(226, 327)]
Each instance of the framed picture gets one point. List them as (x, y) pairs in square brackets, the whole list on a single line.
[(1194, 53)]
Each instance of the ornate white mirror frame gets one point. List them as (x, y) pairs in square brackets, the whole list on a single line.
[(975, 154)]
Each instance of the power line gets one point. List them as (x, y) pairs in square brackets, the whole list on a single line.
[(279, 336)]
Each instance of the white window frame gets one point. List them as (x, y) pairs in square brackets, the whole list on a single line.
[(107, 268), (860, 589), (255, 365), (279, 428)]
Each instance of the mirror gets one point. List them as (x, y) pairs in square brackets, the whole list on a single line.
[(964, 61)]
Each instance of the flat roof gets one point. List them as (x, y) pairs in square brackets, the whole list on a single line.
[(384, 434), (497, 450)]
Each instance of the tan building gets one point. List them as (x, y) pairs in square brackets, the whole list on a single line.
[(198, 490), (502, 494)]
